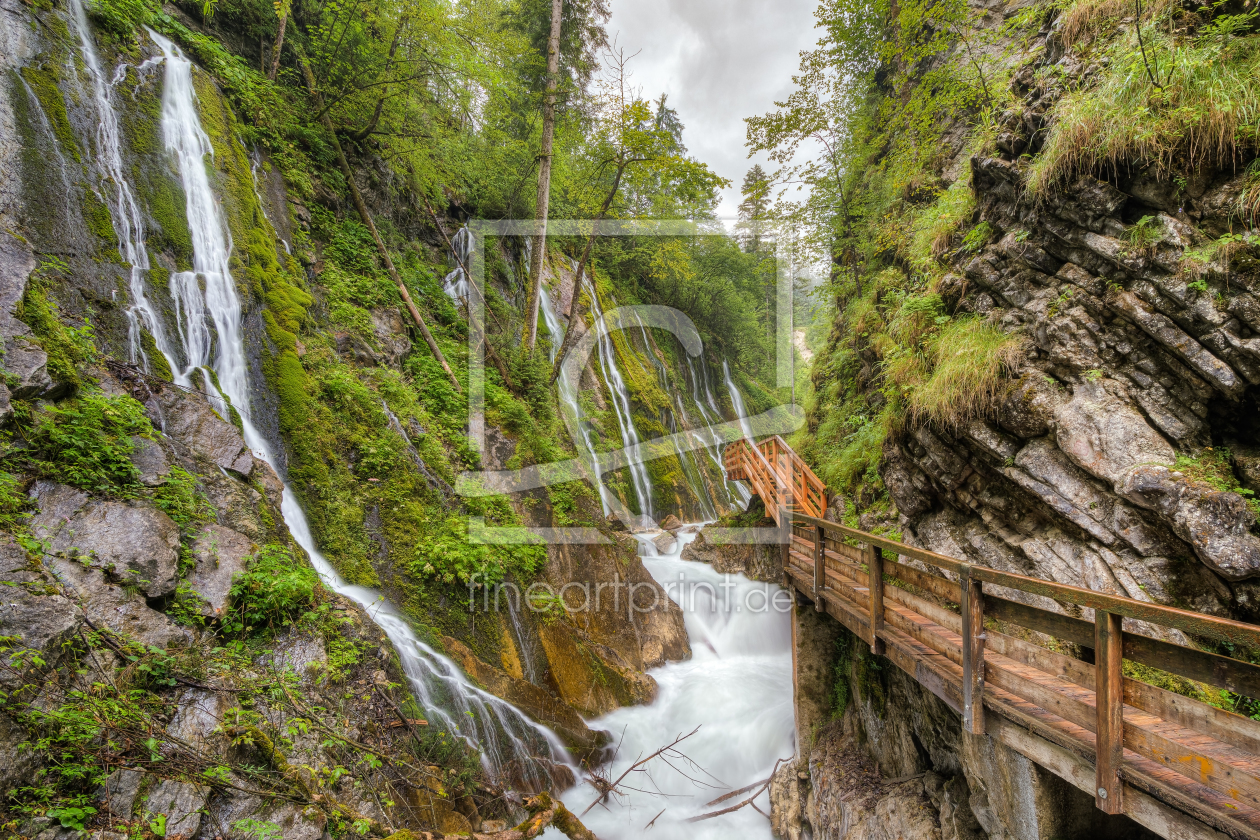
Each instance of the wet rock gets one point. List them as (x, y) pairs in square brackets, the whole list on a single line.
[(6, 407), (133, 541), (293, 822), (909, 488), (788, 794), (499, 449), (758, 562), (1168, 334), (664, 543), (531, 699), (1105, 435), (390, 331), (219, 554), (119, 792), (614, 522), (671, 523), (182, 804), (1216, 524), (27, 365), (150, 460), (16, 566), (189, 419), (111, 606)]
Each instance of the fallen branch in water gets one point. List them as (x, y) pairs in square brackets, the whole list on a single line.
[(607, 788), (748, 801)]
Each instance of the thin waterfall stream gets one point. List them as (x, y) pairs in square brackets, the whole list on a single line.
[(515, 750)]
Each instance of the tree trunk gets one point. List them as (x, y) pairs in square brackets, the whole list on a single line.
[(359, 205), (544, 178), (275, 52), (575, 310)]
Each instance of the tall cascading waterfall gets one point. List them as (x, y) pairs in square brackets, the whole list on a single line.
[(514, 749), (736, 494), (606, 352), (737, 402), (568, 393), (125, 211), (455, 284)]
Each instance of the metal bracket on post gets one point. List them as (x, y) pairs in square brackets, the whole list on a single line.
[(875, 584), (971, 602), (820, 567), (1109, 697)]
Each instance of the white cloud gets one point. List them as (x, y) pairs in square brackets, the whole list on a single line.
[(719, 61)]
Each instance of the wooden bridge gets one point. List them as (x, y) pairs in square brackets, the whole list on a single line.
[(989, 644)]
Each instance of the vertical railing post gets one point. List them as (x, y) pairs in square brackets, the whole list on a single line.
[(820, 567), (1109, 696), (875, 585), (971, 602)]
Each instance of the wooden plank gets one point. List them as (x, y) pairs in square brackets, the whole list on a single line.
[(972, 607), (938, 586), (1220, 671), (1109, 694), (820, 569), (1141, 807), (929, 557), (875, 565)]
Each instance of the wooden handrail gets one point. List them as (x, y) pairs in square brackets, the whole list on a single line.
[(1208, 747), (1202, 760), (778, 475)]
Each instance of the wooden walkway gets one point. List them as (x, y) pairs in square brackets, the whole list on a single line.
[(991, 646)]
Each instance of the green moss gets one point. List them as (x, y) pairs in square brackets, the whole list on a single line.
[(66, 347), (98, 218), (168, 208), (44, 84), (158, 364)]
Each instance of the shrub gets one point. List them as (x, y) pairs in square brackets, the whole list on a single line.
[(182, 501), (87, 442), (273, 592)]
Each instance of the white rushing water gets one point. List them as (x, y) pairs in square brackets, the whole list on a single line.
[(515, 750), (455, 284), (737, 687), (123, 207)]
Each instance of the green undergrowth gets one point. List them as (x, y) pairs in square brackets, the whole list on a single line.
[(85, 442), (1192, 101)]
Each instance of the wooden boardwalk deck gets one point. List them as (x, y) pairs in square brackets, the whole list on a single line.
[(967, 633)]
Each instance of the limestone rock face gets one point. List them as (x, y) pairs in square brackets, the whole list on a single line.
[(759, 562), (133, 541), (219, 553), (192, 422), (1217, 524), (531, 699), (1107, 436)]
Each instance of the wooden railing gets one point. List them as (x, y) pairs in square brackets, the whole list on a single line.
[(955, 627), (778, 475)]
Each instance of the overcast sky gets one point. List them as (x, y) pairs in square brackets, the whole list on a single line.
[(719, 61)]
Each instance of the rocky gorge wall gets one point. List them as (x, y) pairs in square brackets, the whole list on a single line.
[(1119, 454)]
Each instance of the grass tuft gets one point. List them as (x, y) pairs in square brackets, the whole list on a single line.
[(1204, 112), (968, 360)]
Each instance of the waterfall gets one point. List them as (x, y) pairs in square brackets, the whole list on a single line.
[(736, 493), (607, 355), (508, 741), (568, 393), (737, 402), (128, 221), (455, 284), (737, 687)]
